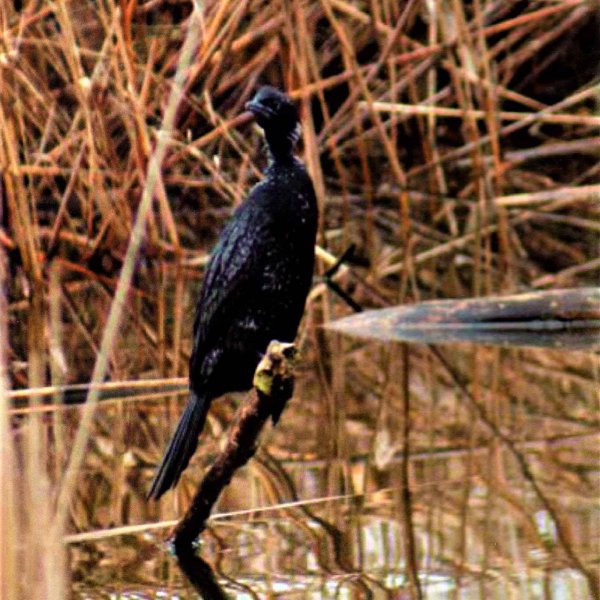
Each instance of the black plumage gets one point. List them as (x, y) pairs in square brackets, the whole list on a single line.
[(256, 282)]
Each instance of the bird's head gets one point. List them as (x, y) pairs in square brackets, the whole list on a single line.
[(276, 114)]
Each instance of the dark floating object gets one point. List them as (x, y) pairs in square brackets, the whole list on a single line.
[(567, 318)]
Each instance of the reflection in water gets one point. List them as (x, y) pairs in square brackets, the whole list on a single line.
[(199, 573), (313, 516), (283, 555)]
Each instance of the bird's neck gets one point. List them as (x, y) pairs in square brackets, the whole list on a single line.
[(281, 149)]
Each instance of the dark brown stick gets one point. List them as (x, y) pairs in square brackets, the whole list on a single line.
[(273, 387)]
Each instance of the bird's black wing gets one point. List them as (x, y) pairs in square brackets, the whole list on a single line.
[(232, 271), (229, 279)]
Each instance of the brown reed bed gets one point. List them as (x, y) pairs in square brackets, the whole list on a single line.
[(455, 143)]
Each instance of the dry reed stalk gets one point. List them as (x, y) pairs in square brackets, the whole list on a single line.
[(9, 530), (572, 194), (440, 111), (406, 494), (31, 565)]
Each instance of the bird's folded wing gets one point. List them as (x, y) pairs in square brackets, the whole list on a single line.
[(232, 274)]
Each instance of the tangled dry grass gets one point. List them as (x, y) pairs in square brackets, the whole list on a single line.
[(455, 143)]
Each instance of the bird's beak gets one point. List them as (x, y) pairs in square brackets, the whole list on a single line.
[(257, 109)]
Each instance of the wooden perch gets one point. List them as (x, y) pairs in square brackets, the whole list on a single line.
[(273, 387)]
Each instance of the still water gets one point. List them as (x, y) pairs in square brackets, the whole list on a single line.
[(503, 481)]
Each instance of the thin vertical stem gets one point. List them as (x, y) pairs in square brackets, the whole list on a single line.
[(68, 484)]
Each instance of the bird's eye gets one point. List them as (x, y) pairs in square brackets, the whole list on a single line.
[(270, 103)]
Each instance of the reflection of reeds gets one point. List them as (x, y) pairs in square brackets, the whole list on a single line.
[(456, 147)]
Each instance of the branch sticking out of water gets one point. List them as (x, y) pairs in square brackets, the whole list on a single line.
[(273, 387)]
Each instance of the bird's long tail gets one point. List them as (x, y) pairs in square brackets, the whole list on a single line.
[(182, 446)]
